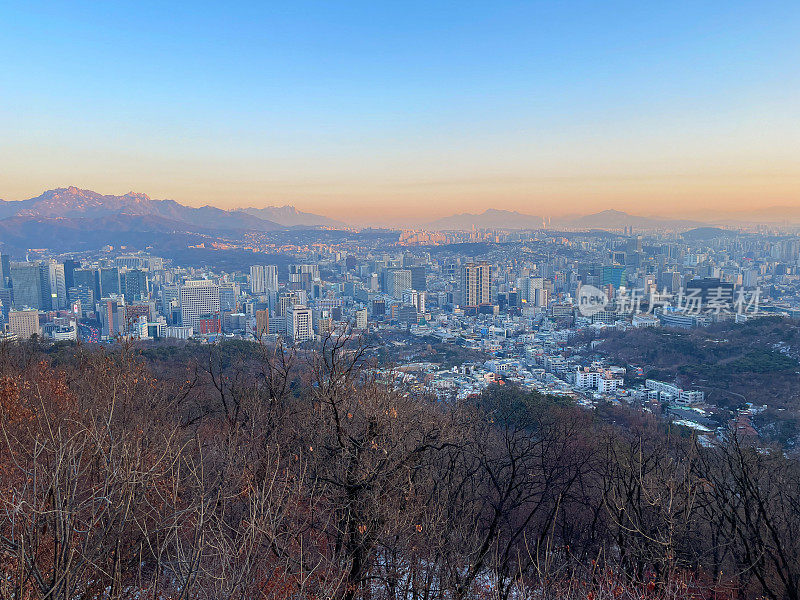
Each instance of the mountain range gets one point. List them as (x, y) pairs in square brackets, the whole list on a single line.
[(84, 218), (72, 202), (289, 216), (75, 203), (73, 218)]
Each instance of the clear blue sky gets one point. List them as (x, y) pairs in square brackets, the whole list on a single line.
[(397, 107)]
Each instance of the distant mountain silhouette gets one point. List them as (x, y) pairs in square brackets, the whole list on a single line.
[(73, 202), (616, 219), (506, 219), (707, 233), (289, 216)]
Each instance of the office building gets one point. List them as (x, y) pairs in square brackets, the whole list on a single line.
[(88, 279), (110, 320), (299, 323), (69, 272), (287, 300), (58, 287), (323, 322), (301, 277), (613, 275), (83, 296), (24, 323), (199, 298), (419, 278), (397, 281), (26, 280), (5, 271), (109, 281), (228, 296), (134, 285)]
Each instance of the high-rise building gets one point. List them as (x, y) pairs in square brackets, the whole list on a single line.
[(476, 284), (228, 296), (262, 323), (88, 279), (134, 285), (323, 322), (171, 303), (634, 244), (299, 323), (69, 273), (109, 281), (415, 299), (312, 270), (5, 303), (44, 278), (199, 298), (287, 300), (84, 296), (397, 281), (613, 275), (404, 313), (419, 276), (263, 279), (110, 317), (24, 323), (5, 270), (58, 287), (750, 278), (301, 277), (361, 318), (26, 279), (527, 287)]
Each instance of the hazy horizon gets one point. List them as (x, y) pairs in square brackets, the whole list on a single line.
[(394, 113), (770, 214)]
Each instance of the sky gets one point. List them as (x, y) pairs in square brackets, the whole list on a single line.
[(387, 111)]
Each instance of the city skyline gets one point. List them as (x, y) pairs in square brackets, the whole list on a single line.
[(392, 111)]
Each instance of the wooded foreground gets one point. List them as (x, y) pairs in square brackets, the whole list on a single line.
[(263, 472)]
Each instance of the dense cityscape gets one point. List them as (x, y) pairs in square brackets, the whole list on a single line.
[(451, 318)]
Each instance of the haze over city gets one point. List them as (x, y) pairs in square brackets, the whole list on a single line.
[(400, 113)]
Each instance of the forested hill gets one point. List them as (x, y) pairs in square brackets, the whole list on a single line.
[(248, 471)]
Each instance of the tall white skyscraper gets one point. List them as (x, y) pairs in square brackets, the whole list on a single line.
[(263, 279), (198, 299)]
